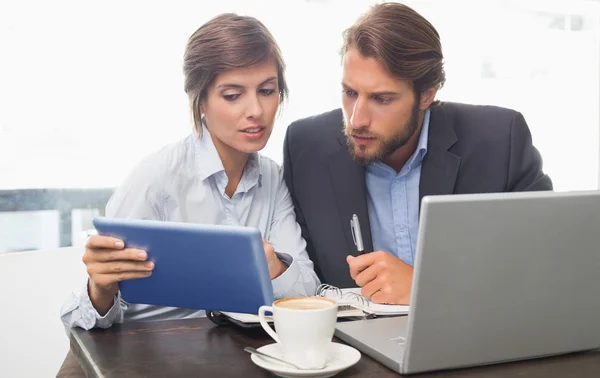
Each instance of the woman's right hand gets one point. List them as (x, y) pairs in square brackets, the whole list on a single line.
[(108, 263)]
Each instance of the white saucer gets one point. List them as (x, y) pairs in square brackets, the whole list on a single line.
[(341, 357)]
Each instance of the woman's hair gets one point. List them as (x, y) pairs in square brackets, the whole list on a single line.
[(403, 41), (226, 42)]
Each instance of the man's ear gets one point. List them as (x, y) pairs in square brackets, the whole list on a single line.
[(428, 97)]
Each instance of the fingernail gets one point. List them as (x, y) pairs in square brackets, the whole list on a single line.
[(150, 264), (119, 244), (142, 254)]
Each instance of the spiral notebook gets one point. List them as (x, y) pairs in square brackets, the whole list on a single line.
[(344, 311), (350, 304), (352, 297)]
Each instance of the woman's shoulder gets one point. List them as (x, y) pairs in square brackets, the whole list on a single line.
[(268, 167), (167, 161), (272, 175)]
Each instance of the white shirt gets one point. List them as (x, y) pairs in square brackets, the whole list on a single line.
[(185, 182)]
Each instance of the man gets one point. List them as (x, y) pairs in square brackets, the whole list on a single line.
[(390, 145)]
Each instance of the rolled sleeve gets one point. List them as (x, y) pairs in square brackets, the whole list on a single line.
[(283, 286), (137, 198), (79, 311)]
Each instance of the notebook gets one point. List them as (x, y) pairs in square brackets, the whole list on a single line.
[(352, 297), (350, 304), (344, 311)]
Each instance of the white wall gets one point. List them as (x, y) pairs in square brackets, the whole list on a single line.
[(111, 78), (27, 230), (33, 286)]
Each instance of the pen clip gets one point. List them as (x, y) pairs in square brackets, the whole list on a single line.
[(352, 230)]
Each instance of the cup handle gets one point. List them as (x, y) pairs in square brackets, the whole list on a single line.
[(264, 324)]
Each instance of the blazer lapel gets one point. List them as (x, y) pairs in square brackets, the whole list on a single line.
[(348, 182), (440, 166), (438, 175)]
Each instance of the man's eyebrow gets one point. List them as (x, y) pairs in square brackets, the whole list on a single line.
[(239, 86), (381, 93), (385, 93)]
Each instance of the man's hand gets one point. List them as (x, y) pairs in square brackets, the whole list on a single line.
[(383, 278), (276, 267), (107, 264)]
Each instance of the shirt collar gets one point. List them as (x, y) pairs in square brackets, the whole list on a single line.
[(421, 150), (209, 163), (423, 138)]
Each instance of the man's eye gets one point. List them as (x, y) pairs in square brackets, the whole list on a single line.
[(382, 100)]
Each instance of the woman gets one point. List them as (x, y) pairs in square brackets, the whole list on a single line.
[(234, 77)]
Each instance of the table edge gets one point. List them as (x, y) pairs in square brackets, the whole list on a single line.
[(83, 356)]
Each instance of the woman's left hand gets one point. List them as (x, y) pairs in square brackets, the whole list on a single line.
[(276, 267)]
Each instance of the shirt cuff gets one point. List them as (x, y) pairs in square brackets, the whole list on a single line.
[(282, 285), (90, 316)]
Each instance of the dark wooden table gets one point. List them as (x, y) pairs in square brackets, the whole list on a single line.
[(199, 348)]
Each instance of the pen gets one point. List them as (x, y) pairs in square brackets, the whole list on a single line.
[(357, 234)]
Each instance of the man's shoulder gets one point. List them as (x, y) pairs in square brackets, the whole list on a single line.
[(475, 125), (471, 116), (475, 111), (327, 124)]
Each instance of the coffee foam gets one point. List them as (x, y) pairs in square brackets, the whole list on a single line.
[(305, 303)]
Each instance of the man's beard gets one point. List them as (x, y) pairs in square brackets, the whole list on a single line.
[(386, 147)]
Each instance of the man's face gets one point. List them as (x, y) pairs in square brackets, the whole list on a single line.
[(380, 111)]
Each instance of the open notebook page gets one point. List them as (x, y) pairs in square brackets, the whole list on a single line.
[(352, 296), (343, 312)]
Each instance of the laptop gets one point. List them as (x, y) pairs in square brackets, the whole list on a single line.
[(498, 277), (197, 266)]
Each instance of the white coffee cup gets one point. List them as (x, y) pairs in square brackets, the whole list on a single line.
[(305, 327)]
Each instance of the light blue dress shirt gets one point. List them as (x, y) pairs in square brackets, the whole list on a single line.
[(393, 202), (185, 182)]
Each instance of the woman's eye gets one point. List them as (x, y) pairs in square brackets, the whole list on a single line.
[(231, 97), (266, 92)]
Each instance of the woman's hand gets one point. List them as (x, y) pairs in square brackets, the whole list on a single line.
[(276, 267), (108, 263)]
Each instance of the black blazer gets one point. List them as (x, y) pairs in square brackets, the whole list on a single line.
[(471, 149)]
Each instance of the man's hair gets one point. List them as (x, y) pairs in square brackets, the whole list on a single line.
[(226, 42), (403, 41)]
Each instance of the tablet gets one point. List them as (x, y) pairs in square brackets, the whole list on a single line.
[(198, 266)]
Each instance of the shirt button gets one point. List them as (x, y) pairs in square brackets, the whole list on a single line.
[(402, 228)]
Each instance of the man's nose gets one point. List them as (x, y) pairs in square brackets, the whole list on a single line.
[(360, 115)]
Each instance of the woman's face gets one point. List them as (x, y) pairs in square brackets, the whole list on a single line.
[(240, 107)]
